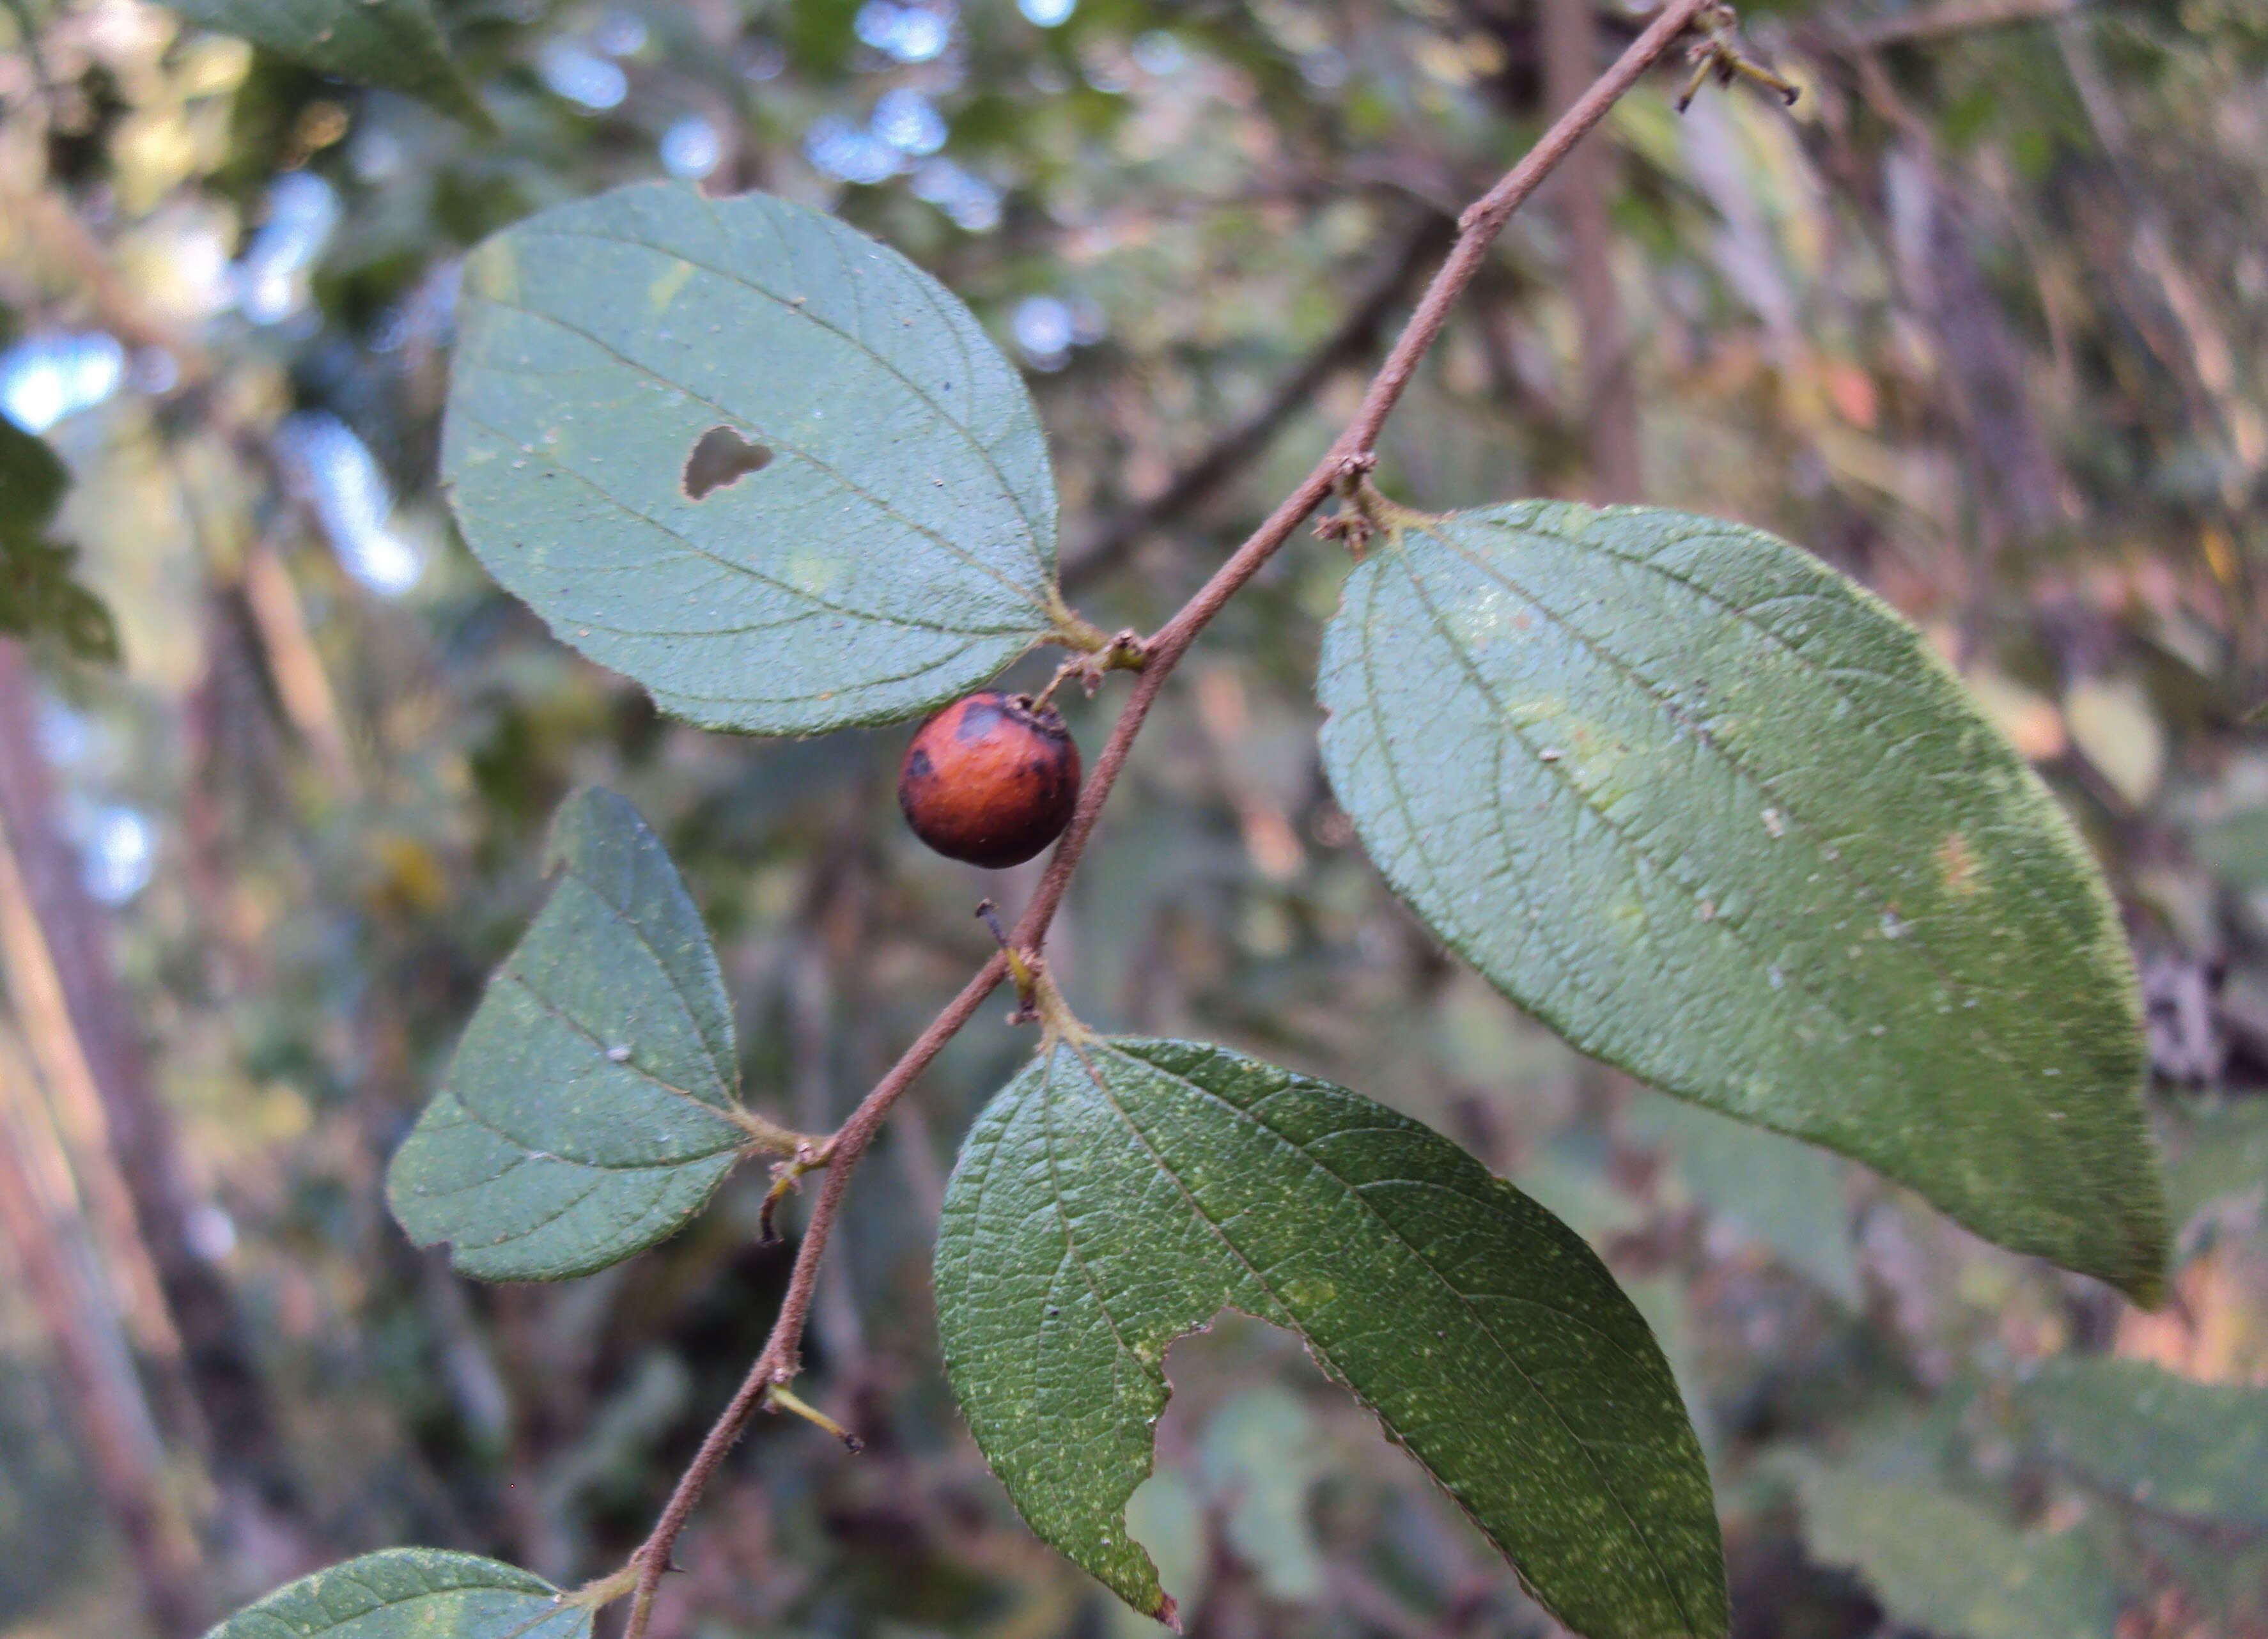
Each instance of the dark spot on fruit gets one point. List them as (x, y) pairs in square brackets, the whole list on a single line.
[(980, 716), (720, 459), (991, 780)]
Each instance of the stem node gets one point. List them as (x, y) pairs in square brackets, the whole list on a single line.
[(1720, 51)]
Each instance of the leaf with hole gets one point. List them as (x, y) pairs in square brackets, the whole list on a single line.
[(412, 1593), (591, 1108), (742, 453), (1719, 816), (2165, 1443), (395, 43), (1119, 1193), (1942, 1563)]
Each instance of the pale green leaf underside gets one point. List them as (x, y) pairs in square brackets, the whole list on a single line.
[(1943, 1564), (411, 1593), (395, 43), (1720, 817), (587, 1112), (2170, 1444), (898, 548), (1110, 1200)]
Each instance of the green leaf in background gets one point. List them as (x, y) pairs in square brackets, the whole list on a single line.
[(1120, 1194), (412, 1593), (395, 43), (1720, 817), (1939, 1562), (37, 592), (1259, 1460), (742, 453), (1785, 1196), (2235, 849), (2164, 1442), (591, 1108), (2216, 1151)]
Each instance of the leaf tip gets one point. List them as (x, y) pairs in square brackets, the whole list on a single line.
[(2146, 1288), (1168, 1613)]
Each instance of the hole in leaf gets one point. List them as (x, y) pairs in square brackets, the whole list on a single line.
[(720, 459), (1238, 1445)]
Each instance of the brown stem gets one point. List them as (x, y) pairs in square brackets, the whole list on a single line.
[(781, 1353), (1478, 226)]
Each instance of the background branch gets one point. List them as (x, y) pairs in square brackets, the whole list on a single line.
[(1952, 17), (1354, 338)]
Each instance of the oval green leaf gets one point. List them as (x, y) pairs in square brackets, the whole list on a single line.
[(874, 530), (395, 43), (2165, 1443), (1720, 817), (592, 1106), (1941, 1563), (412, 1593), (1119, 1193)]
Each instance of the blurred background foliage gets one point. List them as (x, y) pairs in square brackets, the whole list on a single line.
[(1983, 320)]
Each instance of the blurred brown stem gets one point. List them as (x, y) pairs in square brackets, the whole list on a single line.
[(42, 1223), (1953, 17), (96, 1037), (36, 989), (1235, 450), (1350, 453), (302, 686)]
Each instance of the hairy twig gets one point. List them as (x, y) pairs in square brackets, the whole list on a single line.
[(1348, 455)]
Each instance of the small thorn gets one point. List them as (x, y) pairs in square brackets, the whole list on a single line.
[(777, 1396), (785, 1175)]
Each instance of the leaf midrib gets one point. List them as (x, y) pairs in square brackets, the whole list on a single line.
[(2055, 1133), (1870, 895), (723, 1062), (1734, 931), (553, 1010)]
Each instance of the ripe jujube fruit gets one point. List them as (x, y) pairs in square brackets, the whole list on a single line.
[(991, 779)]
